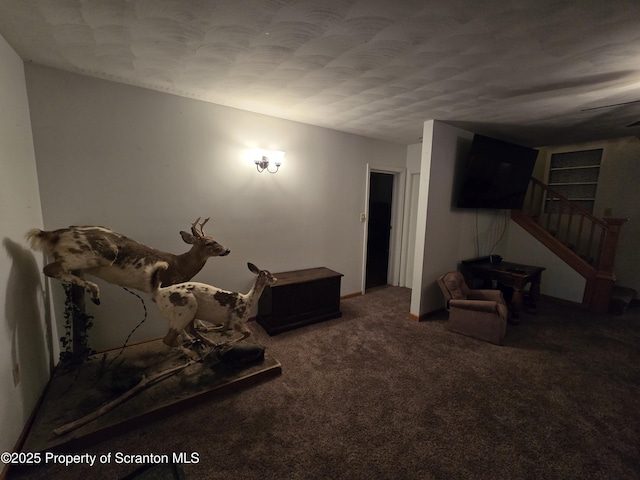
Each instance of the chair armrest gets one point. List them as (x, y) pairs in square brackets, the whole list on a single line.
[(476, 305), (494, 295)]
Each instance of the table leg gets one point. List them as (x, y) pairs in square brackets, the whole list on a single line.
[(516, 302), (534, 293)]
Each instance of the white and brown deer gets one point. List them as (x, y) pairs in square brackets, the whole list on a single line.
[(181, 304), (117, 259)]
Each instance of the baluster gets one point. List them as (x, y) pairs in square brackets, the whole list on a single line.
[(559, 218), (598, 255), (540, 203), (549, 202), (531, 198), (579, 238), (590, 243), (569, 223)]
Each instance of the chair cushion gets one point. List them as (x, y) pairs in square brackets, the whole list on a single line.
[(454, 281)]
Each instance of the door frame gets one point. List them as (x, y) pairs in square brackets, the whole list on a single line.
[(397, 221)]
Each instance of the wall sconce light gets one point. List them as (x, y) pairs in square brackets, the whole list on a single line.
[(263, 162)]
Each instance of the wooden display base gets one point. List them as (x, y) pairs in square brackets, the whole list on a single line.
[(73, 394)]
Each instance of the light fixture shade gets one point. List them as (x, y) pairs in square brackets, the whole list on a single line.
[(276, 156), (267, 159)]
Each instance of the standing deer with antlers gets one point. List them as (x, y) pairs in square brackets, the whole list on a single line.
[(117, 259)]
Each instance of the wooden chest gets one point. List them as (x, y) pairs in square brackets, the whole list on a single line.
[(299, 298)]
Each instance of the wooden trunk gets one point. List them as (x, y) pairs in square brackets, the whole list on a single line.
[(299, 298)]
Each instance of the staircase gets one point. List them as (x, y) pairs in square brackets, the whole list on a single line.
[(586, 243)]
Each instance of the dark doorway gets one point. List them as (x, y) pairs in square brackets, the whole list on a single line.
[(379, 229)]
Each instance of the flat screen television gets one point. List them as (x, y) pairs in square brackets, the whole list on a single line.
[(496, 174)]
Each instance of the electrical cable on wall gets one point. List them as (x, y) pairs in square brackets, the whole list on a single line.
[(144, 306), (504, 219), (477, 236), (504, 230)]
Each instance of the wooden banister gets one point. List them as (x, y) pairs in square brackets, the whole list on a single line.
[(588, 247)]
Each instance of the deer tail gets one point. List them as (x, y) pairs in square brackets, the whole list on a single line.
[(155, 275), (38, 239)]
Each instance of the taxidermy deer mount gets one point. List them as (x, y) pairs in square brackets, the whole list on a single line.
[(117, 259)]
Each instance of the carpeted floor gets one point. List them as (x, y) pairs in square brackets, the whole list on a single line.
[(374, 395)]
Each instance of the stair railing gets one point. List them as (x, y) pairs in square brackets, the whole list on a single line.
[(585, 242), (571, 224)]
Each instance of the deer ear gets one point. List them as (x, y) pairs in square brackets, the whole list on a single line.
[(187, 237), (253, 268)]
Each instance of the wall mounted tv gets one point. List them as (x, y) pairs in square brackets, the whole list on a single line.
[(496, 174)]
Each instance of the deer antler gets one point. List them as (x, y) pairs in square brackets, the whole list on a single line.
[(201, 225)]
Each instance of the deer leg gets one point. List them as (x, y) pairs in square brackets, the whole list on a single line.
[(242, 328), (200, 326), (188, 338), (171, 338), (181, 350), (57, 271), (180, 317), (196, 333)]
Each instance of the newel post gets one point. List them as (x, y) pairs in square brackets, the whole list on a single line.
[(610, 244), (605, 276)]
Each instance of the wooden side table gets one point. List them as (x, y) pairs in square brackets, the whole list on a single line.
[(299, 298), (509, 274)]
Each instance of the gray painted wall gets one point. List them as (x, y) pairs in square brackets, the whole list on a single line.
[(147, 164), (445, 235), (26, 346)]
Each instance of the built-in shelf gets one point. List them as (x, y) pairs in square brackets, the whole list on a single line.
[(573, 199), (572, 183), (575, 168), (575, 176)]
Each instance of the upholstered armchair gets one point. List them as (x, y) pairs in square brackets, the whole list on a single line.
[(481, 314)]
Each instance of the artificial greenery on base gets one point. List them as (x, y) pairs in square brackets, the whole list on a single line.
[(77, 323)]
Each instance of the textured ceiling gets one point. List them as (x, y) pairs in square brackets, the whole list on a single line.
[(538, 72)]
